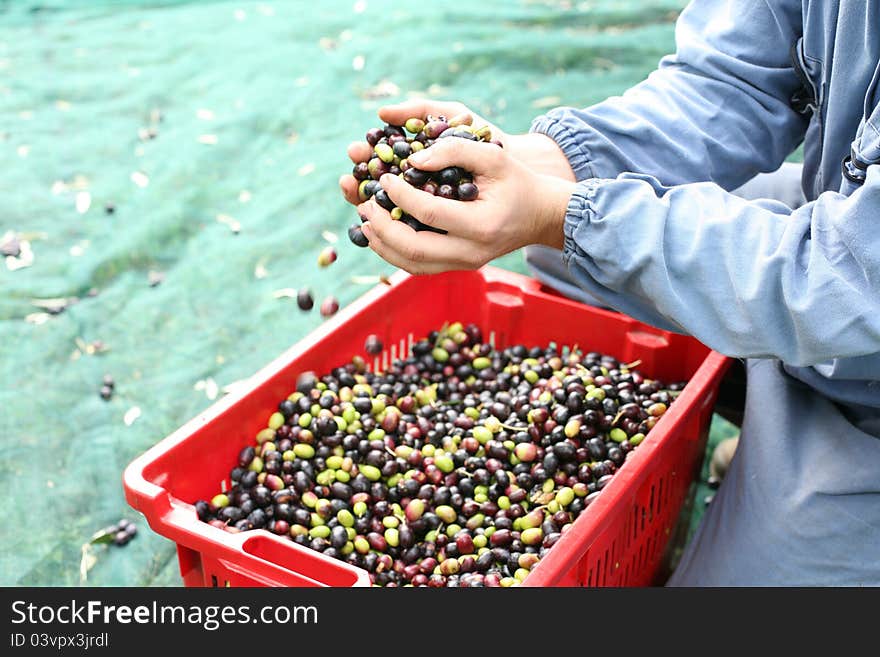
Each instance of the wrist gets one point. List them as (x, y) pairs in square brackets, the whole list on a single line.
[(541, 154), (554, 197)]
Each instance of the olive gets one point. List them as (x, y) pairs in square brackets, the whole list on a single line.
[(203, 511), (416, 177), (357, 237), (329, 307), (467, 191), (384, 200)]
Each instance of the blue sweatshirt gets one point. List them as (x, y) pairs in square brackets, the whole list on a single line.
[(653, 231)]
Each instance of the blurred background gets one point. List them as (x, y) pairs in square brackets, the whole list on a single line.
[(169, 167)]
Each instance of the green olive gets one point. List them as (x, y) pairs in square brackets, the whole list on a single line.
[(220, 501), (564, 496), (532, 536), (370, 472), (444, 463), (319, 531)]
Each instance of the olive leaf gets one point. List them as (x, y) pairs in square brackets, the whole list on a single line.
[(86, 563), (103, 536)]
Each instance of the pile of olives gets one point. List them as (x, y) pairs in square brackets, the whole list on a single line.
[(460, 465)]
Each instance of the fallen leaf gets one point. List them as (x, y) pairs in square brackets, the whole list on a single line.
[(364, 280), (86, 563), (32, 235), (37, 318), (103, 536), (260, 270), (131, 415), (234, 225), (25, 257), (140, 179), (56, 305), (83, 202), (370, 280), (211, 389), (331, 237), (155, 278), (358, 62)]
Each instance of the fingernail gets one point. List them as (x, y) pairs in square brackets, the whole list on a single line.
[(386, 178), (419, 157)]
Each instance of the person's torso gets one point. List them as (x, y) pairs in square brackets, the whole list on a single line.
[(839, 53)]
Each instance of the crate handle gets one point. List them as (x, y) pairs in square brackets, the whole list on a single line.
[(300, 562)]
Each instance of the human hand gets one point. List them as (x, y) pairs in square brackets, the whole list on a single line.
[(538, 152), (516, 206)]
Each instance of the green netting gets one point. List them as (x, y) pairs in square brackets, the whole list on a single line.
[(258, 102)]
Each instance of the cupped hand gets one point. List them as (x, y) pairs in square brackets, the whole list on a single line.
[(516, 206)]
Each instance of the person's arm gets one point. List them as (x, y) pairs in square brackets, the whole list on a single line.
[(749, 279), (718, 109)]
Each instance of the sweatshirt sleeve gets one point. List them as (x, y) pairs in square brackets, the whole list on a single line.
[(749, 279), (718, 109)]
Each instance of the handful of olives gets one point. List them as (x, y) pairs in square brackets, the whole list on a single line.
[(393, 144)]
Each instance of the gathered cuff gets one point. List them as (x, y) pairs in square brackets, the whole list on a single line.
[(571, 144), (580, 209)]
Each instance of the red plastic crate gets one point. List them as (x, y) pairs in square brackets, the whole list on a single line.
[(619, 540)]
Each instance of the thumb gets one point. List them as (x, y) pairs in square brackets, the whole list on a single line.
[(479, 158)]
